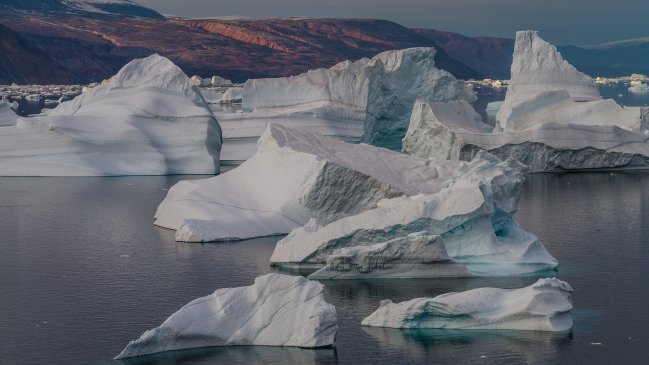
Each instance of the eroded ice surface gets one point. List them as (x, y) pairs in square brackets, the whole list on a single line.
[(295, 176), (542, 306), (368, 100), (278, 310), (417, 255), (148, 119), (543, 127)]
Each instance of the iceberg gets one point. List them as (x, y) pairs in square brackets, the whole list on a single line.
[(542, 306), (555, 125), (293, 178), (472, 211), (278, 310), (7, 115), (639, 88), (148, 119), (368, 100)]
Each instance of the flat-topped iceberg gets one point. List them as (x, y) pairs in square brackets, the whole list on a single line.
[(294, 177), (278, 310), (546, 123), (472, 212), (367, 100), (542, 306), (148, 119)]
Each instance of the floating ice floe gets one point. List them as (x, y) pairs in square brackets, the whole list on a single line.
[(542, 306), (7, 115), (368, 100), (639, 88), (278, 310), (552, 119), (148, 119)]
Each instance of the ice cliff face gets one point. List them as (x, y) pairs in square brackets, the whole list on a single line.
[(278, 310), (542, 306), (148, 119), (368, 100), (539, 123)]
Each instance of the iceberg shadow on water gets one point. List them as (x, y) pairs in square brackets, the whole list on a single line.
[(236, 355)]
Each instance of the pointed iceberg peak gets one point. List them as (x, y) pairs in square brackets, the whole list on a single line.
[(154, 71), (538, 66)]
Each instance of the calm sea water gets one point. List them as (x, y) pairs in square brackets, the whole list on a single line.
[(83, 270)]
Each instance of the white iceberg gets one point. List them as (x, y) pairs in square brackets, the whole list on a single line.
[(278, 310), (368, 100), (542, 306), (639, 88), (472, 211), (294, 177), (543, 127), (7, 115), (417, 255), (148, 119)]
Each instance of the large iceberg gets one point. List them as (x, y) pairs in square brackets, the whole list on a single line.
[(472, 212), (148, 119), (278, 310), (542, 306), (368, 100), (546, 122), (295, 176)]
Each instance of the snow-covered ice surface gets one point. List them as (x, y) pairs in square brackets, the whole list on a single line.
[(367, 100), (547, 123), (148, 119), (542, 306), (278, 310), (294, 177)]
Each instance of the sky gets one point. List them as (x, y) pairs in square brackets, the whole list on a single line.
[(577, 22)]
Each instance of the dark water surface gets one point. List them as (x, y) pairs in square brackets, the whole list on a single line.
[(83, 270)]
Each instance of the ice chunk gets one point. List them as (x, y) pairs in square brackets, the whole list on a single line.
[(639, 88), (368, 100), (542, 306), (148, 119), (417, 255), (472, 212), (278, 310), (294, 177), (7, 115)]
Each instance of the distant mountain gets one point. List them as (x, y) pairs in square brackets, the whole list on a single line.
[(24, 63), (97, 46), (490, 56), (80, 7), (610, 59)]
